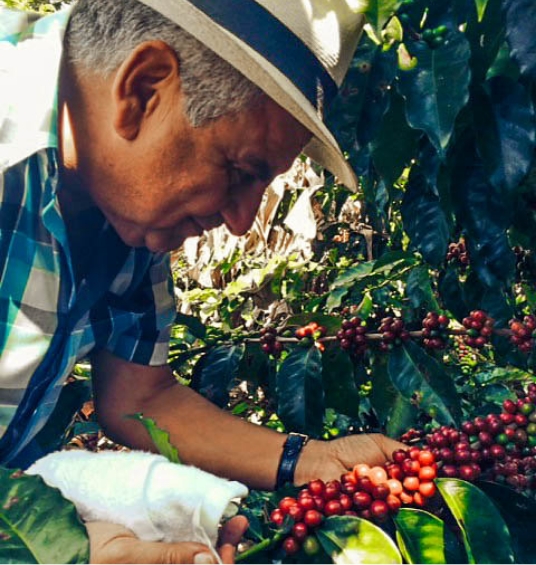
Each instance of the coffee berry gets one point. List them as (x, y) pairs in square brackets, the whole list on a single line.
[(479, 328), (435, 331), (352, 335), (269, 343), (372, 493), (523, 333), (393, 332)]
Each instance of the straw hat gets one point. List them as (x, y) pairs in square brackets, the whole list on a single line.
[(297, 51)]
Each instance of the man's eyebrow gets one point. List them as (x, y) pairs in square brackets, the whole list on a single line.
[(263, 171)]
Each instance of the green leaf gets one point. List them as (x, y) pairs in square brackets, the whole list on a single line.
[(215, 373), (423, 538), (396, 142), (519, 513), (379, 11), (72, 396), (437, 88), (393, 261), (452, 293), (481, 8), (506, 130), (355, 115), (402, 417), (300, 391), (420, 378), (339, 384), (347, 539), (365, 307), (424, 219), (196, 327), (353, 274), (255, 366), (485, 36), (520, 18), (159, 437), (335, 298), (384, 396), (38, 525), (485, 213), (419, 289), (485, 535)]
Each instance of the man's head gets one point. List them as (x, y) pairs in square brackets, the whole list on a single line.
[(169, 140), (103, 33)]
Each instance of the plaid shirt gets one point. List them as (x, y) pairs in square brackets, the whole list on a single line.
[(48, 319)]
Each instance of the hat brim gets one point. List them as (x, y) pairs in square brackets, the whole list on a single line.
[(323, 148)]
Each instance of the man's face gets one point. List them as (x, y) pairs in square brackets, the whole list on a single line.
[(176, 181)]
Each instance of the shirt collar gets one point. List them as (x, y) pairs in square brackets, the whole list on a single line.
[(30, 55)]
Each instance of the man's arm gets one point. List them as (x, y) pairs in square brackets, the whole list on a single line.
[(208, 437)]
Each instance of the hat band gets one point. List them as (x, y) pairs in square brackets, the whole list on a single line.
[(264, 33)]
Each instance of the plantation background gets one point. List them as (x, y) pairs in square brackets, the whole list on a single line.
[(437, 118)]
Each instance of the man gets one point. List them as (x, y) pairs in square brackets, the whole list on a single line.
[(118, 140)]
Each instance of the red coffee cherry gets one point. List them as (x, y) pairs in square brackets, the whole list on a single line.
[(296, 513), (286, 503), (411, 483), (313, 518), (394, 503), (277, 517), (427, 489), (291, 546), (379, 509), (362, 500), (300, 531), (316, 487)]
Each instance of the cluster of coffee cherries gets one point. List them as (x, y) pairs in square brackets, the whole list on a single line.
[(479, 328), (310, 334), (458, 252), (393, 332), (368, 492), (497, 447), (352, 335), (435, 37), (523, 333), (457, 456), (269, 343), (435, 331)]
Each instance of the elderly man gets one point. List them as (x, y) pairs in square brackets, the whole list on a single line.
[(122, 134)]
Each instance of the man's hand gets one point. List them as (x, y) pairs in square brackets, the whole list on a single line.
[(110, 543), (328, 460)]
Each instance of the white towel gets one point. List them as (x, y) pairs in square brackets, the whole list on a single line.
[(156, 499)]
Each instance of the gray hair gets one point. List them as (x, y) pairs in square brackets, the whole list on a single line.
[(101, 34)]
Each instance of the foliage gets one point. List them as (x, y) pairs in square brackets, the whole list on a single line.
[(29, 537), (437, 117), (36, 5), (467, 529)]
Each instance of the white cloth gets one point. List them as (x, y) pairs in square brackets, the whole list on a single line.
[(156, 499)]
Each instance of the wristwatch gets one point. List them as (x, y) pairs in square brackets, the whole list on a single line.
[(289, 458)]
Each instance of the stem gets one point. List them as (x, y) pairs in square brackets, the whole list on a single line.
[(268, 543)]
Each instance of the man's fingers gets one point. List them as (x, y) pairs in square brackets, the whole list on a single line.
[(114, 544), (233, 530), (230, 536)]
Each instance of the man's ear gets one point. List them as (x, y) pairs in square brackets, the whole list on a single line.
[(139, 84)]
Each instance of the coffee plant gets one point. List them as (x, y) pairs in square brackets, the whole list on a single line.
[(408, 308), (425, 297)]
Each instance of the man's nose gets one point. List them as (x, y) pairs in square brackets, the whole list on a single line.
[(240, 213)]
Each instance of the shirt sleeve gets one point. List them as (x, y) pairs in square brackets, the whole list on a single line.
[(152, 312)]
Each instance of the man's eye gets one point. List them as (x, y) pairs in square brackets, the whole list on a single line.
[(239, 177)]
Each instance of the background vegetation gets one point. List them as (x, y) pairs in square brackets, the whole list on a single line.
[(437, 117)]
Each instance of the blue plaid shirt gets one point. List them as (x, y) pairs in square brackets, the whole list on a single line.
[(48, 319)]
